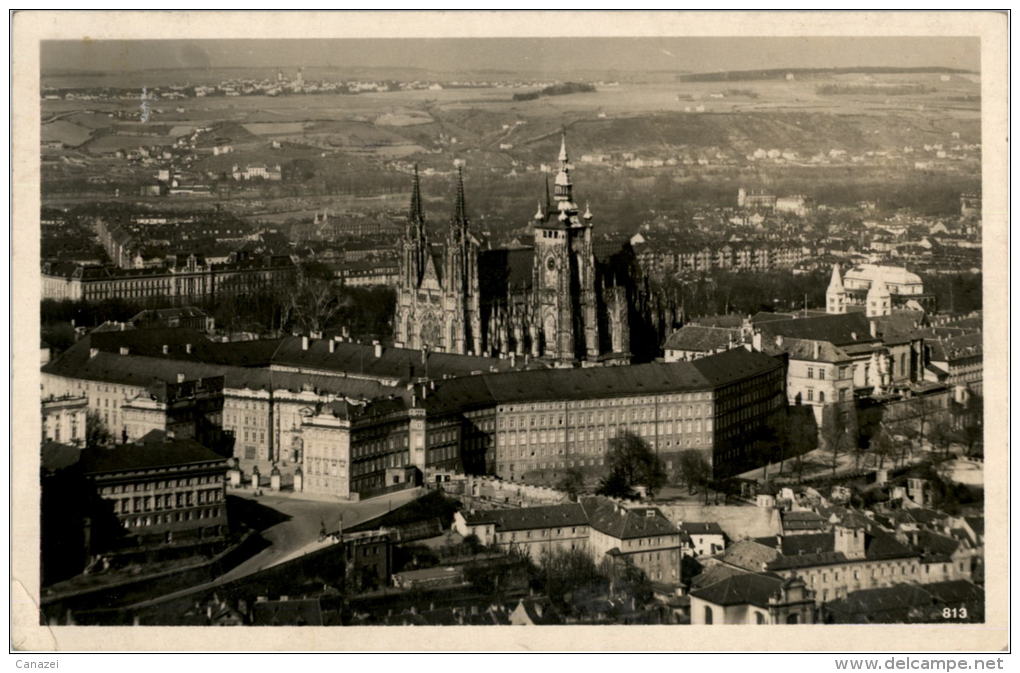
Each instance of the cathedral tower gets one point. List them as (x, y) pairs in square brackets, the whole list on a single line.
[(564, 274)]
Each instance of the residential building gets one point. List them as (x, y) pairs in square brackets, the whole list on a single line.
[(531, 530), (640, 536), (707, 538), (163, 491), (753, 598)]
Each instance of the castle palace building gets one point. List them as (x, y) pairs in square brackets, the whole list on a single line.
[(554, 301)]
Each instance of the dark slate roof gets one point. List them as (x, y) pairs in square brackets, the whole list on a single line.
[(899, 324), (806, 349), (879, 545), (825, 558), (935, 547), (614, 520), (881, 604), (590, 382), (702, 339), (713, 574), (839, 329), (164, 314), (348, 358), (846, 516), (56, 456), (819, 550), (741, 589), (357, 359), (957, 347), (749, 555), (143, 371), (701, 528), (812, 543), (147, 455), (977, 524), (803, 521), (293, 612), (955, 592), (768, 316), (529, 518)]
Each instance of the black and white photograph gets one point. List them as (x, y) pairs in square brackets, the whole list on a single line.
[(552, 329)]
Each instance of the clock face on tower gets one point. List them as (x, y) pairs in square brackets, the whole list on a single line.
[(550, 271)]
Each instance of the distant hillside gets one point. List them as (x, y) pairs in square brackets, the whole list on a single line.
[(743, 132), (556, 90), (780, 73)]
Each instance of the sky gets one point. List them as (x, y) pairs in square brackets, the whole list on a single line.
[(697, 54)]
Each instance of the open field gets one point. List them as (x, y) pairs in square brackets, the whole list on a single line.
[(341, 145)]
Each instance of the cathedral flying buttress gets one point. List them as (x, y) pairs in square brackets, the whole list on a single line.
[(555, 301)]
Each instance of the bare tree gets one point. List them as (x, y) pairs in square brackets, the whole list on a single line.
[(694, 470), (96, 431), (836, 434), (882, 445), (312, 299), (941, 436)]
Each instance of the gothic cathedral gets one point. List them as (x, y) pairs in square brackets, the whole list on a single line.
[(554, 301)]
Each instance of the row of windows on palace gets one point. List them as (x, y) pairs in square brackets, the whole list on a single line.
[(156, 503), (172, 517), (159, 485), (636, 414)]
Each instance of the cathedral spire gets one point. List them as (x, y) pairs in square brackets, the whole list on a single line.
[(564, 189), (460, 211), (416, 214)]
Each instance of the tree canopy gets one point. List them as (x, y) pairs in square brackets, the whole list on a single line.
[(631, 463)]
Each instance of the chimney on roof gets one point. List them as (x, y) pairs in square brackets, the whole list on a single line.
[(166, 349), (124, 350), (513, 360), (123, 326), (332, 345), (377, 349), (187, 348), (874, 329), (304, 342), (180, 377), (779, 340), (93, 352), (818, 349)]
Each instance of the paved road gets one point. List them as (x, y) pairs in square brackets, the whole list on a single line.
[(300, 533)]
